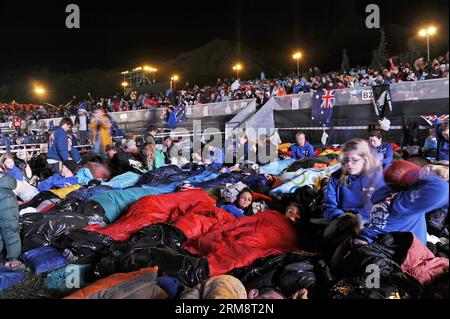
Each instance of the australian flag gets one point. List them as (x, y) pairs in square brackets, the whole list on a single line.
[(322, 107)]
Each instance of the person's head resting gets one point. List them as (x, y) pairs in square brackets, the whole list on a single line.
[(111, 150), (375, 138), (66, 124), (443, 129), (293, 212), (265, 293), (244, 199), (300, 138), (7, 162), (357, 159)]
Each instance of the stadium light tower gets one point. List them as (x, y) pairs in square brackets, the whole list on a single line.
[(124, 85), (40, 92), (297, 56), (173, 80), (431, 30), (237, 67)]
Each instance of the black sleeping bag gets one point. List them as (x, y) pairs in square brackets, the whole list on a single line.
[(288, 273), (43, 229), (155, 245)]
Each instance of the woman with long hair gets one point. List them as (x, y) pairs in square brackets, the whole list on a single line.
[(350, 188)]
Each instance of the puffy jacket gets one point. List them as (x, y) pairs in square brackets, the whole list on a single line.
[(405, 211), (9, 218), (353, 196), (58, 147)]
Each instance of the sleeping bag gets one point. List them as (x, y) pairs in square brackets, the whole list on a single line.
[(9, 277), (192, 211), (240, 242), (43, 259)]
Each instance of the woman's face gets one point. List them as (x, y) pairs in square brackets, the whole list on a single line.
[(353, 163), (245, 200), (445, 134), (374, 141), (9, 163), (293, 213)]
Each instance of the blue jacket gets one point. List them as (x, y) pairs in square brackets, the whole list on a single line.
[(57, 181), (58, 146), (16, 173), (302, 151), (233, 210), (386, 151), (442, 143), (354, 197), (405, 211)]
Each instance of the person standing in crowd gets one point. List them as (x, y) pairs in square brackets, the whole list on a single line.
[(441, 131), (149, 135), (58, 145), (9, 221), (395, 209), (381, 151), (301, 149), (100, 125), (350, 188), (82, 123)]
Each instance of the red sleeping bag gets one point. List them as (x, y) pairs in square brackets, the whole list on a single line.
[(240, 242), (192, 211)]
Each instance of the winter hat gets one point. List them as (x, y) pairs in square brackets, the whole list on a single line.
[(224, 287), (402, 173), (71, 165)]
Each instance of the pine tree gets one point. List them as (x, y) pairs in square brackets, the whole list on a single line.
[(413, 51), (345, 64), (380, 55)]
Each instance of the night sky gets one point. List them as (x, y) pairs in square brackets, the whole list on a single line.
[(118, 35)]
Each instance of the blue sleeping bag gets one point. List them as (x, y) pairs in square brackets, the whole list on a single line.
[(276, 167), (123, 181), (115, 202), (9, 277), (43, 259)]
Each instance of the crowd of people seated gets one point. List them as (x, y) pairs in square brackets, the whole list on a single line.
[(230, 90), (308, 211)]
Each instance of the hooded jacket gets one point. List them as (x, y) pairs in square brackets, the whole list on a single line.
[(9, 218), (353, 196), (405, 211), (58, 146)]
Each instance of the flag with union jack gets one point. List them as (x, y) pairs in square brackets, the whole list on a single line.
[(322, 107), (431, 118)]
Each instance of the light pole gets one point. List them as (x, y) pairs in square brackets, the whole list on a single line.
[(124, 85), (40, 92), (427, 33), (297, 56), (174, 79), (237, 67)]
